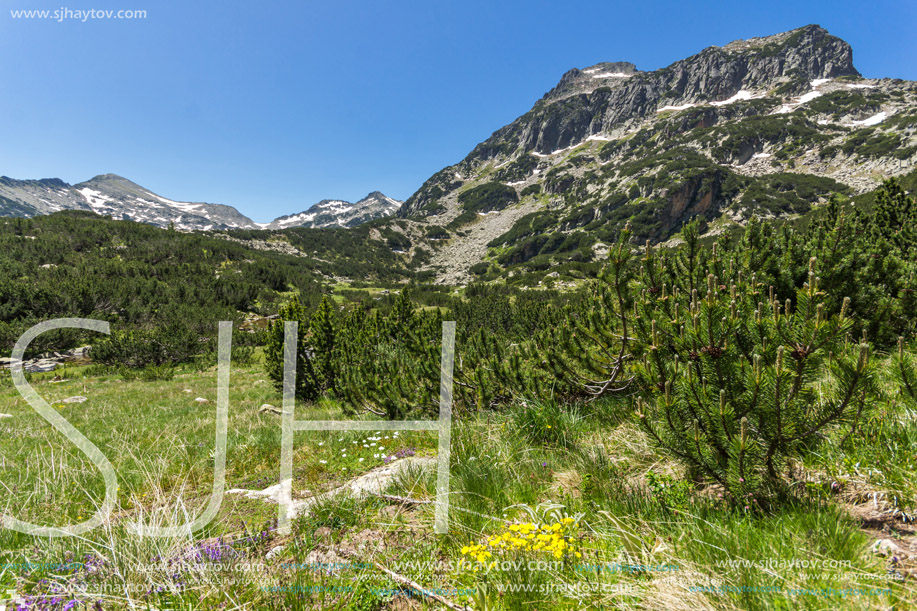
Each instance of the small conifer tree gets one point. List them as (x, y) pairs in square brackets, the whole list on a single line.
[(592, 352), (308, 387), (734, 382), (322, 346)]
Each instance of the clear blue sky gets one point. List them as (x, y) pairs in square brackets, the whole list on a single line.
[(271, 106)]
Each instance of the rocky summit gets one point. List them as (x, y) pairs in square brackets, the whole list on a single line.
[(767, 127), (337, 213)]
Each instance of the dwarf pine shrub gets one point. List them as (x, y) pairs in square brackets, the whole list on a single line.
[(734, 383), (308, 387)]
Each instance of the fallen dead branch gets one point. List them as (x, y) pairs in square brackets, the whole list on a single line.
[(411, 584)]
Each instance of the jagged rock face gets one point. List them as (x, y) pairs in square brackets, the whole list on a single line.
[(119, 198), (605, 97), (768, 127), (792, 59), (582, 105), (587, 80)]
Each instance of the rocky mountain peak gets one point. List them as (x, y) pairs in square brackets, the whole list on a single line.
[(588, 79), (110, 178), (612, 96), (112, 182), (767, 126), (806, 36), (792, 58), (340, 213), (802, 55)]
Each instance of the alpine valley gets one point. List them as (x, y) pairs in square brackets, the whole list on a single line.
[(767, 127), (652, 346)]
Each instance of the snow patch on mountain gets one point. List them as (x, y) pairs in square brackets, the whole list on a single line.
[(680, 107), (873, 120), (740, 95)]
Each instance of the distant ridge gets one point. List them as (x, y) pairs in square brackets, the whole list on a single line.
[(117, 197)]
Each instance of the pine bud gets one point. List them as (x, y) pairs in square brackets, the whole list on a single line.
[(819, 313), (696, 431), (722, 401), (844, 306), (779, 359), (786, 308), (900, 347), (743, 431), (812, 265), (864, 356)]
